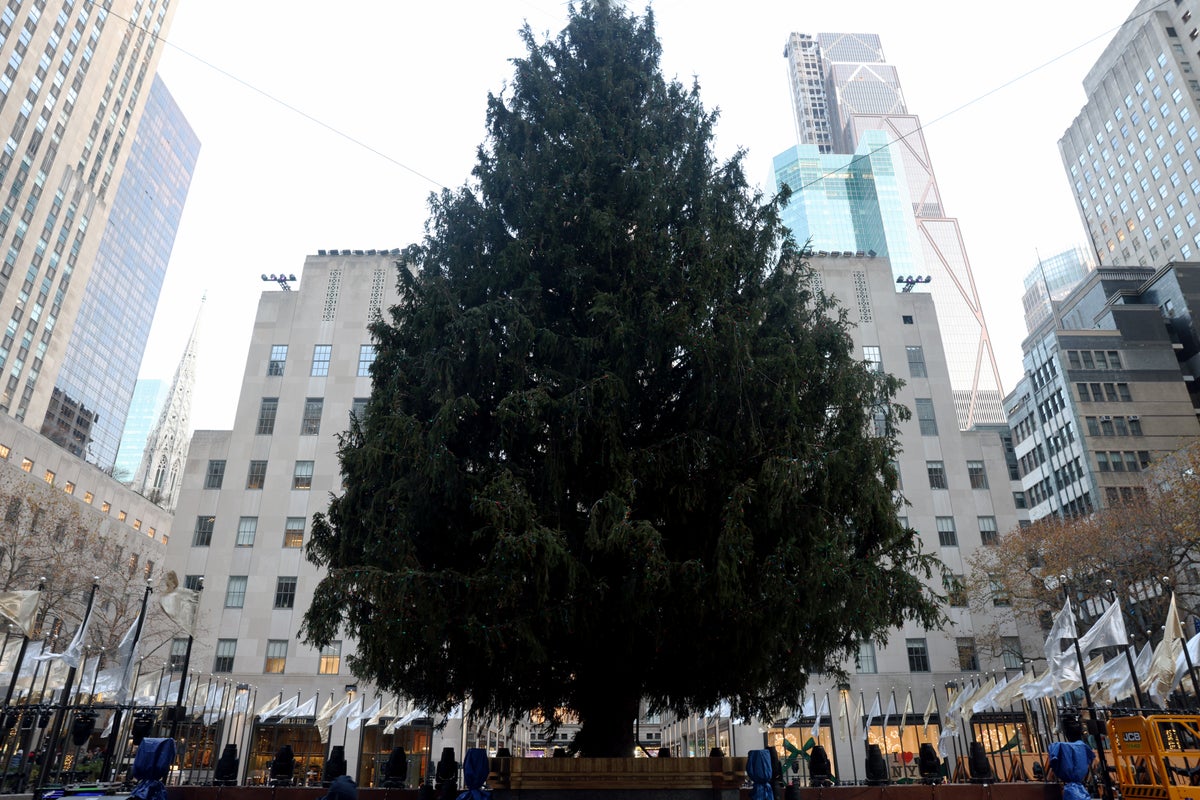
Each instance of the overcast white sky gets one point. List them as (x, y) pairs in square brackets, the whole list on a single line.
[(410, 81)]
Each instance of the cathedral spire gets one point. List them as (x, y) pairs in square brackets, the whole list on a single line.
[(163, 459)]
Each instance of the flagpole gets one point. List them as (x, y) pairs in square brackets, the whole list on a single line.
[(850, 733), (56, 728), (187, 658), (1087, 695)]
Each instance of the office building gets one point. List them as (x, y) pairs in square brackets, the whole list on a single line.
[(92, 392), (959, 492), (1109, 387), (1133, 152), (76, 81), (1051, 281), (849, 108), (144, 408), (247, 499)]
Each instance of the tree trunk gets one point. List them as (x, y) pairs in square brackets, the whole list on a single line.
[(606, 725)]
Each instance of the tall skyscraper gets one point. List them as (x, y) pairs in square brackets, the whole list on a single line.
[(72, 93), (848, 101), (1133, 153), (1051, 281), (96, 381)]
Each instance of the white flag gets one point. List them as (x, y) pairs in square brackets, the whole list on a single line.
[(1042, 687), (1122, 687), (1108, 630), (307, 709), (280, 710), (930, 708), (889, 713), (346, 711), (844, 717), (968, 706), (905, 712), (816, 728), (1056, 657), (988, 700), (74, 650), (1181, 662), (1162, 665), (179, 603), (357, 719), (271, 703), (127, 658), (20, 608), (871, 715), (1012, 690)]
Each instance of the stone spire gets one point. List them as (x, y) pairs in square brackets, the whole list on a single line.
[(159, 475)]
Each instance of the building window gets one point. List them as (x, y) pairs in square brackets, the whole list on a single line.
[(1093, 426), (285, 592), (26, 465), (293, 532), (320, 362), (947, 534), (906, 319), (937, 474), (202, 535), (1102, 461), (358, 408), (366, 357), (256, 476), (998, 592), (247, 528), (925, 417), (105, 507), (331, 659), (69, 487), (310, 424), (276, 656), (968, 659), (956, 591), (4, 452), (873, 358), (49, 477), (235, 591), (266, 416), (1019, 500), (88, 497), (988, 534), (302, 475), (977, 474), (1135, 426), (178, 655), (865, 663), (215, 475), (226, 650), (278, 359), (193, 582), (1010, 649), (916, 361), (918, 655), (1123, 392), (1084, 396)]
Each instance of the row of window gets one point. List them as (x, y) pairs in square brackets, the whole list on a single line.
[(918, 654), (275, 662), (1104, 392), (285, 591), (1114, 426), (322, 355), (976, 474), (1122, 461), (1093, 359), (247, 532), (1121, 495), (88, 497), (256, 474)]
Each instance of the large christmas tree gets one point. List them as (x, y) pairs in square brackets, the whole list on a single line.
[(618, 447)]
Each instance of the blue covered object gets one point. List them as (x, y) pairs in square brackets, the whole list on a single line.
[(1071, 762), (476, 767), (759, 769), (342, 787), (150, 767)]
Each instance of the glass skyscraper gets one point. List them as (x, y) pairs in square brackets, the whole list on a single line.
[(96, 381), (75, 81), (848, 101)]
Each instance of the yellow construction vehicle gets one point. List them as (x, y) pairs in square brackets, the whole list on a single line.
[(1156, 757)]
